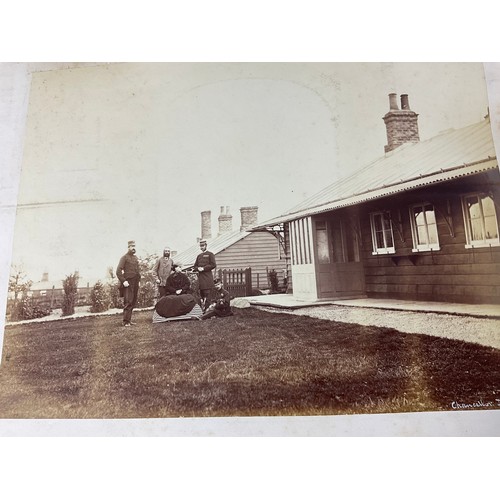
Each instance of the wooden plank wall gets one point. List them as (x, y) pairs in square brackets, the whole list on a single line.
[(288, 251), (259, 251), (452, 274)]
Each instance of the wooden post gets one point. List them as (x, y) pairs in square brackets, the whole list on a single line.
[(52, 297), (248, 281)]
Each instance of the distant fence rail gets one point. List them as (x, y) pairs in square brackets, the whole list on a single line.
[(238, 282)]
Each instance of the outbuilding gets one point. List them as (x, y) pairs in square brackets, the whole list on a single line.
[(246, 258)]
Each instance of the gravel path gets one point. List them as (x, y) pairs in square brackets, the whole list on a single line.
[(482, 331)]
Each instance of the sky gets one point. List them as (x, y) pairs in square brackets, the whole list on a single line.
[(123, 151)]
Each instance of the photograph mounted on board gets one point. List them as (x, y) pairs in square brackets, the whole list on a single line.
[(253, 239)]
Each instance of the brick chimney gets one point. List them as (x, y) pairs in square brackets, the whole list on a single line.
[(225, 221), (401, 124), (248, 217), (45, 276), (206, 224)]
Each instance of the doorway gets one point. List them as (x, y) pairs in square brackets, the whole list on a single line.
[(339, 270)]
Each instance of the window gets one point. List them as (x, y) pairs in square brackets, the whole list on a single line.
[(481, 226), (322, 243), (345, 240), (424, 227), (382, 235)]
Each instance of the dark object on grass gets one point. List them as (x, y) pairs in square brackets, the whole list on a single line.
[(175, 305)]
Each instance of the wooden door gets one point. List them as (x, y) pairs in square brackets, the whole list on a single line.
[(339, 269)]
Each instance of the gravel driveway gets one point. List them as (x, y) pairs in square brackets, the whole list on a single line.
[(482, 331)]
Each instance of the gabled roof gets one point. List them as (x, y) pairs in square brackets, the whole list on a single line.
[(451, 154), (214, 245), (46, 285), (58, 284)]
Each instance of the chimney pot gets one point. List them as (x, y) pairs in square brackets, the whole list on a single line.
[(225, 221), (393, 101), (404, 101)]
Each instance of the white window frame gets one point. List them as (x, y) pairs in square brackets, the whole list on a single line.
[(386, 249), (486, 242), (427, 247)]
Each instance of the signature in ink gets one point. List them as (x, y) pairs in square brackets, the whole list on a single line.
[(456, 405)]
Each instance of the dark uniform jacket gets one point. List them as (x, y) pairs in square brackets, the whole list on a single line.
[(178, 281), (128, 268), (207, 261), (222, 302)]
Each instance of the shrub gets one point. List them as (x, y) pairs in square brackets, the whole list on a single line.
[(147, 288), (99, 298), (195, 286), (27, 308), (70, 285), (273, 280), (18, 286), (113, 290), (146, 294)]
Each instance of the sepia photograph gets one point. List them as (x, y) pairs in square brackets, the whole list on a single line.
[(205, 240)]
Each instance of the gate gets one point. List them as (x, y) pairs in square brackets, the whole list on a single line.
[(238, 282)]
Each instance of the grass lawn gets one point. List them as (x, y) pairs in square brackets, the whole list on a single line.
[(254, 363)]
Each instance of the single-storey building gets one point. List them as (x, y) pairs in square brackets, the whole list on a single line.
[(419, 223), (239, 249), (51, 293)]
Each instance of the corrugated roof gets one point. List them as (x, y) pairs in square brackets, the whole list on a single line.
[(214, 245), (446, 156)]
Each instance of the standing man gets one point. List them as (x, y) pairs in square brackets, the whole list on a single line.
[(161, 271), (204, 264), (129, 275)]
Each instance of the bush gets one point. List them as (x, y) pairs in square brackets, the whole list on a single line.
[(195, 286), (99, 298), (273, 281), (70, 285), (113, 290), (147, 287), (27, 308), (146, 294)]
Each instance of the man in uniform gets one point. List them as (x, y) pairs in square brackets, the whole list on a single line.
[(129, 275), (204, 265), (221, 302)]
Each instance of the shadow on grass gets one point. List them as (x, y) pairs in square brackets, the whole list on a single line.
[(254, 363)]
